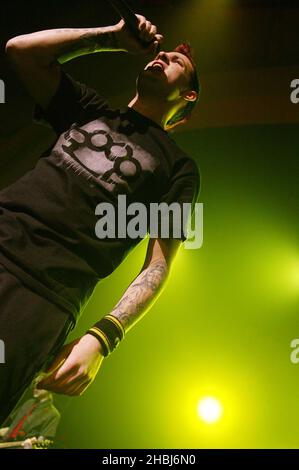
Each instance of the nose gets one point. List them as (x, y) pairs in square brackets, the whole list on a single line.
[(163, 56)]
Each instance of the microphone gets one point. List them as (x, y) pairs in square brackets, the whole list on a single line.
[(130, 19)]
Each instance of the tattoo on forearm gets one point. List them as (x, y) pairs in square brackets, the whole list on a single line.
[(90, 40), (73, 30), (140, 294), (96, 41)]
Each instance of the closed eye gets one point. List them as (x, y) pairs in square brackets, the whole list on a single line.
[(179, 61)]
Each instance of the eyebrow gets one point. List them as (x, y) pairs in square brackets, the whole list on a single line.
[(180, 58), (184, 59)]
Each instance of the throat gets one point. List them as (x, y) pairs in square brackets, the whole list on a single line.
[(148, 110)]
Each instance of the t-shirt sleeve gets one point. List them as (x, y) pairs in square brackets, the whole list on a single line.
[(72, 102), (183, 190)]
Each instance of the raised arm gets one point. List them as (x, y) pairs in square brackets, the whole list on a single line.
[(37, 56), (76, 366)]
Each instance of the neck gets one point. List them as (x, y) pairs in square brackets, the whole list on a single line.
[(157, 112)]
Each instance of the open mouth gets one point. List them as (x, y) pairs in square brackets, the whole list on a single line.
[(157, 66)]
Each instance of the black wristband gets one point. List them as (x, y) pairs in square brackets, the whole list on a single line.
[(109, 331)]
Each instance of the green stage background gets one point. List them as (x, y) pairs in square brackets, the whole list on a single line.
[(224, 324)]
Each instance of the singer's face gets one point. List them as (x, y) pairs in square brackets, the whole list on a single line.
[(169, 71)]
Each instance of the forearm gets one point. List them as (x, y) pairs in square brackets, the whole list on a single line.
[(63, 45), (141, 294)]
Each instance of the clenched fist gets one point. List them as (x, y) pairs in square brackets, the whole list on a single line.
[(149, 38)]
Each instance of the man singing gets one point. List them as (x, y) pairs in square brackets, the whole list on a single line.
[(50, 256)]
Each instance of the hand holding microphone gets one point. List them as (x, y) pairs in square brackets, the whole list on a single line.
[(134, 33), (148, 40)]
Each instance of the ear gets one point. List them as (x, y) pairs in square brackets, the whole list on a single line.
[(189, 95)]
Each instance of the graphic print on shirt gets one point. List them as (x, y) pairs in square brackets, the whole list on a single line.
[(100, 154)]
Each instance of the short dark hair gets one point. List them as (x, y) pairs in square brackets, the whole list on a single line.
[(184, 113)]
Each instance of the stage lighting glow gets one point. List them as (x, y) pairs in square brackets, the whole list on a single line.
[(295, 276), (209, 409)]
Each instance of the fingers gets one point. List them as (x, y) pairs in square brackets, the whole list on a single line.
[(56, 380), (145, 29), (72, 388), (148, 32), (157, 43), (79, 363), (59, 359), (77, 389), (72, 382), (57, 377), (60, 367), (159, 38)]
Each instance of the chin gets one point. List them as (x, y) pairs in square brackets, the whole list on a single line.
[(149, 83)]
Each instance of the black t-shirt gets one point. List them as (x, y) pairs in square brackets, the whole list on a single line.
[(47, 229)]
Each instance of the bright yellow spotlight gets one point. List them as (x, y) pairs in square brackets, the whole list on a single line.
[(209, 409)]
